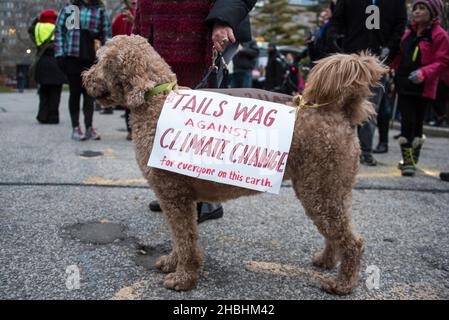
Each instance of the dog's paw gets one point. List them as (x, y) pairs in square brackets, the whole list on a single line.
[(166, 263), (181, 280), (334, 286), (323, 261)]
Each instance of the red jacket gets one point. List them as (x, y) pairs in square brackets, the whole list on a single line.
[(434, 58), (121, 25), (178, 32)]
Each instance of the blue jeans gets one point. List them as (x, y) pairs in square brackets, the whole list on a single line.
[(21, 85), (366, 130), (242, 79)]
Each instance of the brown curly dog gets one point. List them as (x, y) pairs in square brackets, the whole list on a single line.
[(322, 163)]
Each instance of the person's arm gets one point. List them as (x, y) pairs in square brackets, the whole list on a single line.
[(225, 16), (230, 12), (116, 25), (441, 57), (279, 74), (136, 26), (60, 33), (336, 28), (106, 26), (398, 29)]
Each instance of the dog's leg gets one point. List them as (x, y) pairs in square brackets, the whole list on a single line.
[(351, 247), (340, 240), (168, 262), (328, 257), (332, 217), (185, 260)]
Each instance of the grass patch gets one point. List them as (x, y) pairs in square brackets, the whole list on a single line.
[(6, 90)]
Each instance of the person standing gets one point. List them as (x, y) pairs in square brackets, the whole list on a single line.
[(75, 50), (244, 62), (384, 115), (353, 30), (316, 42), (275, 70), (47, 73), (424, 55), (185, 39), (21, 81), (123, 24)]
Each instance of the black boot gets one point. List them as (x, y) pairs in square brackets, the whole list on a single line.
[(368, 159), (108, 110), (383, 123), (208, 211), (417, 146), (444, 176), (382, 147), (407, 165), (205, 210), (155, 206)]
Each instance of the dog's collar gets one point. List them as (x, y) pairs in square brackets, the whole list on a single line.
[(303, 104), (160, 88)]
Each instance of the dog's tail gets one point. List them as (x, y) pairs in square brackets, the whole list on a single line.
[(342, 83)]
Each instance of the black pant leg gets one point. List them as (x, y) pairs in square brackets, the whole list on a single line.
[(383, 118), (408, 108), (44, 99), (75, 87), (127, 113), (55, 98), (421, 111), (88, 109), (366, 130)]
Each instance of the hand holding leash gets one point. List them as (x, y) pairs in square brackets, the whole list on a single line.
[(222, 34)]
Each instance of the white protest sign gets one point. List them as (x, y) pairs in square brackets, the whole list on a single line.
[(237, 141)]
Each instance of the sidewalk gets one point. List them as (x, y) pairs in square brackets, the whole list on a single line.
[(56, 192), (437, 132)]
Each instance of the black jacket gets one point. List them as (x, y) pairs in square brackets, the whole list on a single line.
[(349, 20), (235, 14), (246, 58), (47, 70), (274, 72)]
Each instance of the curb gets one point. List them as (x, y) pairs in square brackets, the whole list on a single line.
[(436, 132)]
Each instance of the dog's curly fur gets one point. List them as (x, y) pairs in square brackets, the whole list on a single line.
[(322, 162)]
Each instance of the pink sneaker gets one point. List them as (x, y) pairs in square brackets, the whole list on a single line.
[(78, 135), (92, 134)]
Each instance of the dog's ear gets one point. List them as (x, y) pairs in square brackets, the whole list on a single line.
[(374, 66), (142, 69), (135, 71)]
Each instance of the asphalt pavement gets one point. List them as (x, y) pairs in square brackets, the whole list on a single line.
[(75, 224)]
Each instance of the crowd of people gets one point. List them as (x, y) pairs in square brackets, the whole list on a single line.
[(413, 44)]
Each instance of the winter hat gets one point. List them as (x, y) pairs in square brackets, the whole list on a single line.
[(48, 16), (436, 7)]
